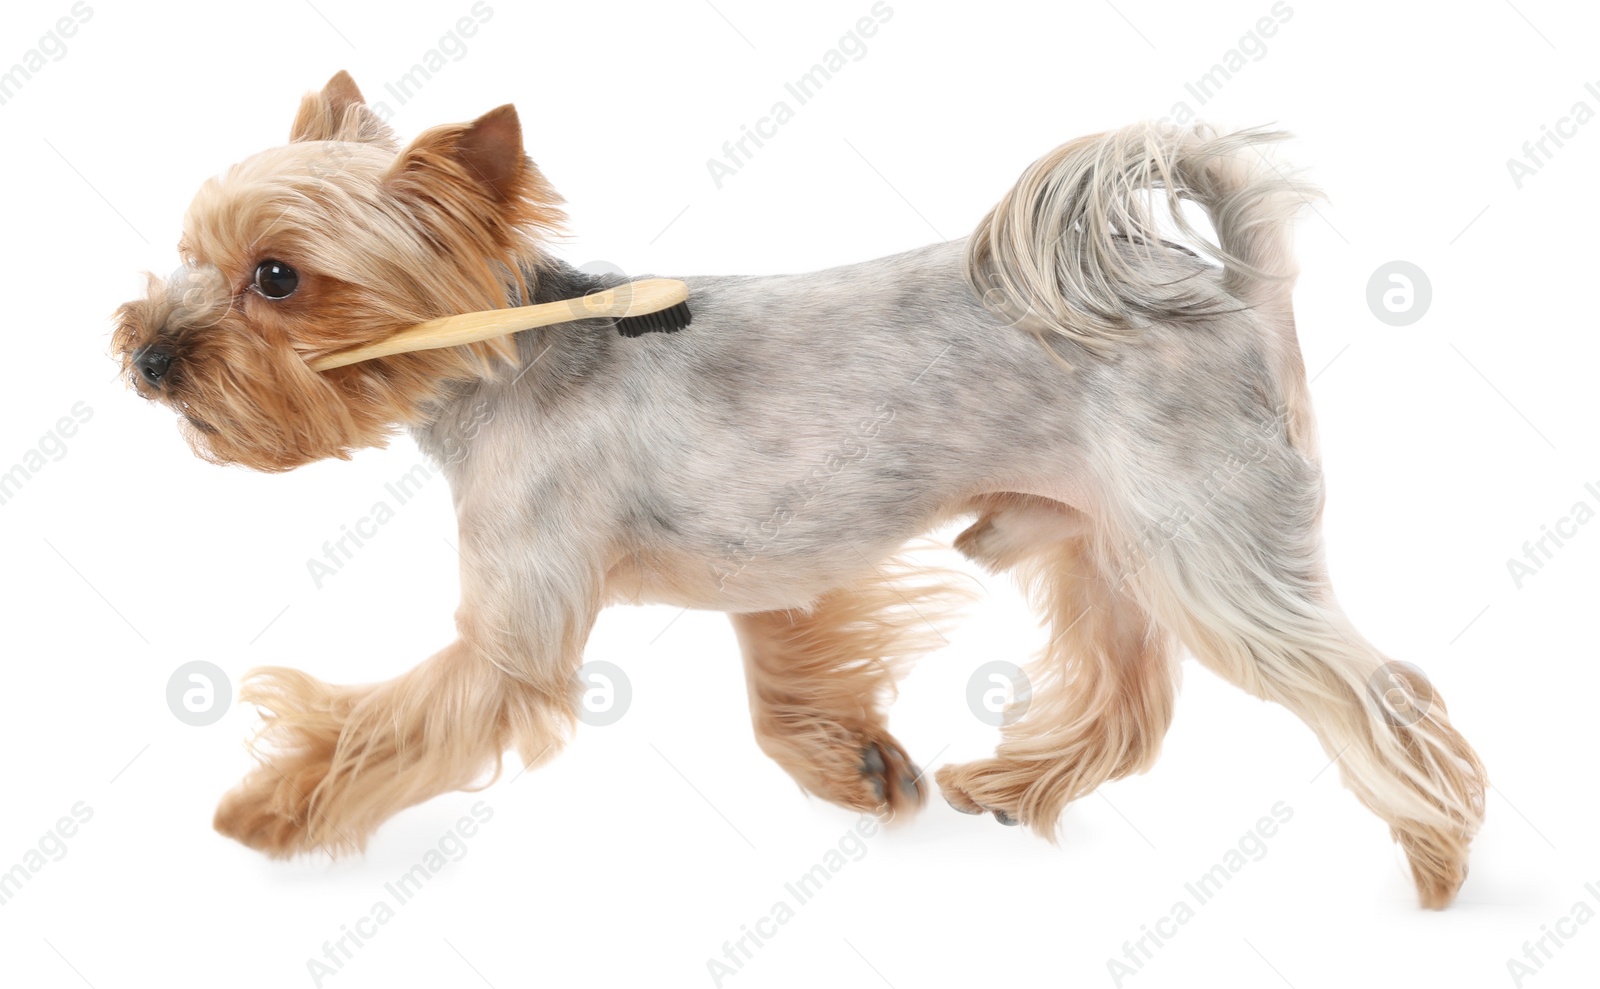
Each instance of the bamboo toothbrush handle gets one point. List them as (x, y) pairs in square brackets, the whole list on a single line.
[(628, 299)]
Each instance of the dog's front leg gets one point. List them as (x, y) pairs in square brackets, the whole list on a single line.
[(337, 761)]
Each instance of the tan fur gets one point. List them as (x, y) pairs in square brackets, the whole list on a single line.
[(244, 388), (334, 762), (1145, 462), (819, 679), (1102, 691)]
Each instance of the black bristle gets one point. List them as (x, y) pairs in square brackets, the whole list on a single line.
[(669, 320)]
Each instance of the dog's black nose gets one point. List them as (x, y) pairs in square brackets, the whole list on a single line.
[(152, 363)]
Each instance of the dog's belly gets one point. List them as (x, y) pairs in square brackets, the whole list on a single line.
[(732, 586), (768, 569), (734, 583)]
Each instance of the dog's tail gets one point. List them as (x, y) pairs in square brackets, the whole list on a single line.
[(1077, 246)]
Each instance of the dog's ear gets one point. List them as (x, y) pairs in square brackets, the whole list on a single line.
[(475, 176), (486, 154), (339, 113)]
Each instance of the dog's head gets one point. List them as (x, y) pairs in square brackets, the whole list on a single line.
[(334, 241)]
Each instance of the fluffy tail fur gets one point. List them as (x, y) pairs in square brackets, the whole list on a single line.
[(1077, 247)]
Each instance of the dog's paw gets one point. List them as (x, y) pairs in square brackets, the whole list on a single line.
[(895, 780), (264, 817), (281, 822), (275, 811), (982, 787), (1438, 863), (283, 806), (859, 766)]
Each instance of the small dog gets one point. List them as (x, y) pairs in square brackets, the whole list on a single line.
[(1126, 419)]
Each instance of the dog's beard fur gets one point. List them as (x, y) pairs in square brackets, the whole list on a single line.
[(1156, 445), (381, 241)]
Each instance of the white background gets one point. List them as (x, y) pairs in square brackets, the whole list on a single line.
[(634, 856)]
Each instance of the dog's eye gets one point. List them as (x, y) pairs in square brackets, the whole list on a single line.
[(276, 280)]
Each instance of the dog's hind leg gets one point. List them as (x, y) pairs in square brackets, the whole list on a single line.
[(1239, 577), (1102, 692), (819, 679)]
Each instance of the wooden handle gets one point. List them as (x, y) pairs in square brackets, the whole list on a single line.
[(628, 299)]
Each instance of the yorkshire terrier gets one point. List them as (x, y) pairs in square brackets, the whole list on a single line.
[(1114, 395)]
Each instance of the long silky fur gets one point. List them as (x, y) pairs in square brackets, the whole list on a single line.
[(1118, 401), (1074, 247)]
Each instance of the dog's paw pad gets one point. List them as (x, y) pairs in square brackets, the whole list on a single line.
[(894, 778), (873, 768)]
